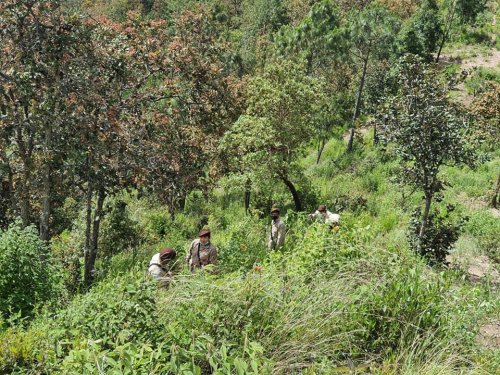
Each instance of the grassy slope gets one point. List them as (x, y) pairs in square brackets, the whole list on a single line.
[(327, 303), (358, 297)]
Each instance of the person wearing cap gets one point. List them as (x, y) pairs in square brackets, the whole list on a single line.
[(326, 216), (201, 251), (161, 264), (278, 229)]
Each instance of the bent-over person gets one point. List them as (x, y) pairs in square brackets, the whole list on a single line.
[(201, 251), (326, 216), (161, 265)]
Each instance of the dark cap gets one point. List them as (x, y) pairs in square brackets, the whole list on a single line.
[(204, 232), (167, 253), (322, 208), (275, 210)]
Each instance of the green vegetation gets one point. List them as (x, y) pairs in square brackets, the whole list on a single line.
[(127, 125), (24, 284)]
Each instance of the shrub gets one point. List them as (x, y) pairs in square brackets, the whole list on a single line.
[(21, 350), (67, 254), (440, 235), (396, 310), (242, 245), (118, 310), (27, 275), (118, 231), (486, 229), (200, 357), (355, 203), (160, 224), (117, 313)]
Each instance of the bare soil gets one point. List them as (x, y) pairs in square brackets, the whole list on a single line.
[(477, 268), (489, 335), (489, 60)]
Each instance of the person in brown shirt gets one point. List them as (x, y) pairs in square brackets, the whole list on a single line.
[(201, 251)]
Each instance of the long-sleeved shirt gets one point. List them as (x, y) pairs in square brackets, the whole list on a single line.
[(200, 255), (156, 269), (328, 217), (276, 235)]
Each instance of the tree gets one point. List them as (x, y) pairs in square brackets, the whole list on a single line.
[(468, 11), (404, 9), (297, 10), (486, 109), (380, 84), (62, 98), (267, 140), (318, 40), (453, 10), (126, 74), (420, 34), (42, 52), (346, 6), (179, 134), (90, 107), (259, 20), (427, 130), (371, 34)]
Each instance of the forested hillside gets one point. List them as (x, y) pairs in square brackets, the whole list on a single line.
[(129, 128)]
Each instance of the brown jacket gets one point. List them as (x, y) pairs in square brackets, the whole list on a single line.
[(200, 255)]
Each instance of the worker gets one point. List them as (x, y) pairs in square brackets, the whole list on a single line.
[(201, 251), (326, 216), (161, 265), (277, 232)]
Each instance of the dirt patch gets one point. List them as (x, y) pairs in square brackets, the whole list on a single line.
[(489, 335), (495, 212), (473, 203), (475, 59), (477, 268), (358, 132), (481, 267), (491, 61)]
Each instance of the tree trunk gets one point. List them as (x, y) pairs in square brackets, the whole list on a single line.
[(321, 147), (88, 232), (358, 104), (449, 22), (423, 224), (248, 190), (182, 200), (10, 198), (76, 282), (88, 207), (46, 205), (375, 134), (25, 149), (46, 187), (494, 201), (295, 193), (88, 222), (13, 202), (441, 45), (172, 203), (24, 204), (90, 260)]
